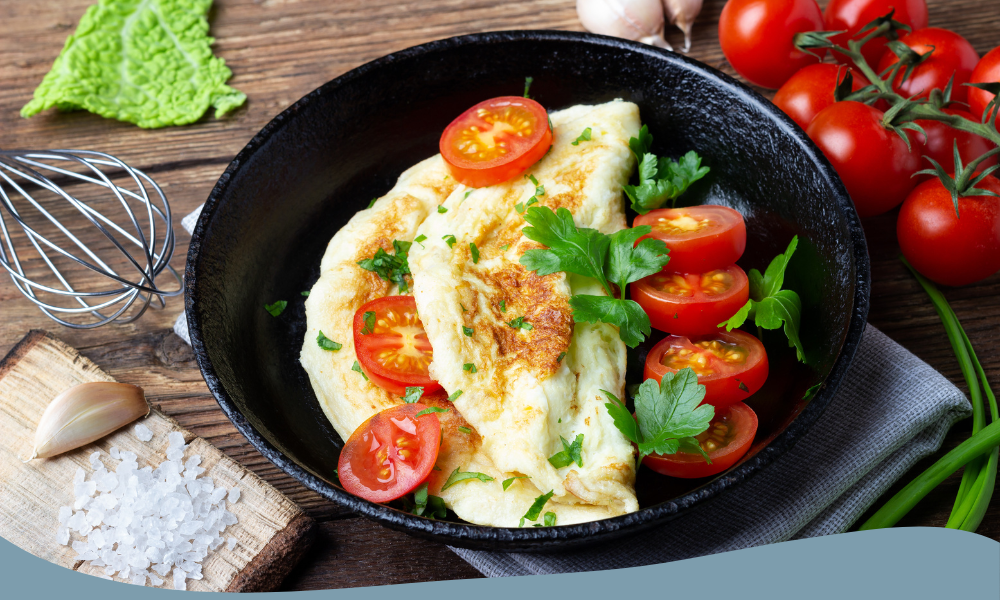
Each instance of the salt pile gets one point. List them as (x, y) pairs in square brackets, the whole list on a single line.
[(148, 523)]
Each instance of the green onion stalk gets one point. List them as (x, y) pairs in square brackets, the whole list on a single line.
[(979, 454)]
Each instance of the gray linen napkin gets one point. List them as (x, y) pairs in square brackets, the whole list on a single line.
[(892, 409)]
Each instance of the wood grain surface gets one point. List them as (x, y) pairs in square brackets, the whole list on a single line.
[(272, 532), (280, 50)]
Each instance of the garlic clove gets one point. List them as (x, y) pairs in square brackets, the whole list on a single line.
[(640, 20), (682, 13), (86, 413)]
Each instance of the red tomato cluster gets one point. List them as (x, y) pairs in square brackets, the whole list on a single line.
[(700, 288), (876, 165)]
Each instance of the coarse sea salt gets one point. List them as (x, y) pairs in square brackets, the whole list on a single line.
[(154, 524)]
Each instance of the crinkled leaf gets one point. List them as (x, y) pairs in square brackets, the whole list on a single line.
[(739, 318), (573, 250), (631, 320), (672, 407), (148, 63), (774, 276)]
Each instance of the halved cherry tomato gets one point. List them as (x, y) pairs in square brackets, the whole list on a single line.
[(726, 440), (390, 454), (692, 303), (951, 55), (700, 238), (496, 140), (732, 365), (395, 353)]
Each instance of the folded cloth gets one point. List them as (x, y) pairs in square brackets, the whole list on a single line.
[(891, 410)]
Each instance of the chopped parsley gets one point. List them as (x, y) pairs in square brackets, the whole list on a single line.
[(562, 355), (449, 239), (611, 259), (454, 396), (549, 520), (743, 387), (425, 505), (432, 409), (456, 477), (475, 252), (277, 308), (468, 331), (326, 343), (369, 319), (771, 307), (520, 323), (527, 85), (571, 453), (463, 307), (420, 239), (812, 391), (506, 482), (305, 293), (464, 429), (467, 194), (357, 368), (505, 247), (413, 395), (503, 306), (391, 267), (584, 137), (372, 203), (442, 209), (471, 368), (669, 415), (536, 508)]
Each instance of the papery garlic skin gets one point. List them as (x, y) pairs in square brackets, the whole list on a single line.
[(682, 13), (85, 413), (639, 20)]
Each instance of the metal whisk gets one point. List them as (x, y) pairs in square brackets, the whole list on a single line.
[(30, 194)]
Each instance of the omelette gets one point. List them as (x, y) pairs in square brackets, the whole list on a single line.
[(538, 375)]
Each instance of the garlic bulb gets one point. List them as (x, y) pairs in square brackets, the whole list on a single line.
[(86, 413), (640, 20), (682, 13)]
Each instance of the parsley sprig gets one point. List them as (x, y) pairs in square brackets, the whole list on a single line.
[(610, 259), (571, 453), (390, 267), (769, 306), (669, 415), (426, 505), (660, 179)]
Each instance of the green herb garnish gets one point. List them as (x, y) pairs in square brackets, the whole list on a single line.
[(425, 505), (536, 508), (326, 343), (277, 308), (771, 307), (471, 368), (420, 239), (562, 355), (372, 203), (520, 323), (468, 331), (503, 306), (475, 253), (584, 137), (660, 179), (464, 429), (456, 477), (412, 395), (442, 209), (454, 396), (390, 267), (449, 239), (614, 258), (305, 293), (357, 368), (432, 409), (506, 482), (669, 415), (571, 453), (527, 85), (369, 319)]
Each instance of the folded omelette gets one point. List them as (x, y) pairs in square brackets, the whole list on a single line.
[(538, 374)]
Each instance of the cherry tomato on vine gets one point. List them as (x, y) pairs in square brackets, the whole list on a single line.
[(947, 249), (496, 140), (951, 55), (392, 346), (692, 303), (390, 454), (700, 238), (726, 441), (852, 15), (758, 38), (811, 90), (873, 162), (732, 365), (940, 141), (987, 71)]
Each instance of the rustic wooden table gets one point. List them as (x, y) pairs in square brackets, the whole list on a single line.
[(280, 50)]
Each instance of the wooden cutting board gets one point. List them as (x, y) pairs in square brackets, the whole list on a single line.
[(272, 533)]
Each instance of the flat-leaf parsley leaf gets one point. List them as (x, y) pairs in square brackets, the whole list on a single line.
[(456, 477), (536, 508), (413, 395), (326, 343), (584, 137), (277, 308), (660, 179)]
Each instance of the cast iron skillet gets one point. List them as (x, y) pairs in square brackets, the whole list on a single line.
[(267, 222)]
